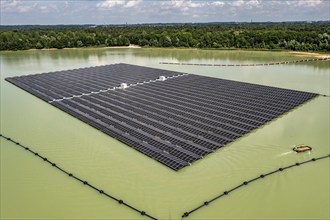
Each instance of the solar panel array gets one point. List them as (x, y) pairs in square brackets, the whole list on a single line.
[(176, 121)]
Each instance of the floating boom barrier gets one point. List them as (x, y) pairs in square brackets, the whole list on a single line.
[(102, 192), (143, 213), (245, 183), (248, 64)]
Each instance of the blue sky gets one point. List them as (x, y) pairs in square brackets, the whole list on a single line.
[(20, 12)]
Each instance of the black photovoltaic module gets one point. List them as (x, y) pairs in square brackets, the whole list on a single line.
[(173, 117)]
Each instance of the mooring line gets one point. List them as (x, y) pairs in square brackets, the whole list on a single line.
[(45, 159), (245, 183), (248, 64)]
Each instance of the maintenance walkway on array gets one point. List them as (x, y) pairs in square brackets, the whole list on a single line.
[(173, 117)]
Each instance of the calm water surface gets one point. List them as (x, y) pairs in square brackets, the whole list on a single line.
[(30, 189)]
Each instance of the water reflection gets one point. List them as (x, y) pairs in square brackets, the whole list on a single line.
[(177, 55)]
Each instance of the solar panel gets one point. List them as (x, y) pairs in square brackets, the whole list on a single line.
[(172, 117)]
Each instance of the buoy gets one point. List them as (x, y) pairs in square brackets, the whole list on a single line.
[(26, 148), (281, 169), (143, 212), (85, 182), (245, 183), (206, 203), (297, 164), (101, 191), (262, 176), (70, 174), (186, 214), (45, 159), (313, 159), (53, 164), (302, 148), (120, 201), (225, 193)]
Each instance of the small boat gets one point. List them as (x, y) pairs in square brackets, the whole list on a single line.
[(301, 148)]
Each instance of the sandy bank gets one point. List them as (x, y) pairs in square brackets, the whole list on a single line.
[(317, 55), (77, 48)]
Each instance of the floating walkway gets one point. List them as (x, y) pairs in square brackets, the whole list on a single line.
[(172, 117), (102, 192), (247, 64), (245, 183)]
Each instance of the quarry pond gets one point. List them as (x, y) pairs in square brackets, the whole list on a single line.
[(31, 189)]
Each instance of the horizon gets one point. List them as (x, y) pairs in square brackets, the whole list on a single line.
[(176, 23), (137, 12)]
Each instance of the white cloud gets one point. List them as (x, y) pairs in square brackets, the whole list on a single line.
[(172, 4), (24, 8), (253, 3), (196, 5), (15, 6), (217, 3), (8, 3), (43, 8), (145, 11), (183, 5), (308, 3), (110, 3), (300, 3), (107, 4), (132, 3), (47, 8), (237, 3)]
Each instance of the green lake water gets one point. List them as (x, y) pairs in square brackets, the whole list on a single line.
[(32, 189)]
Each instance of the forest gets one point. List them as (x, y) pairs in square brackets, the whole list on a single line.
[(259, 36)]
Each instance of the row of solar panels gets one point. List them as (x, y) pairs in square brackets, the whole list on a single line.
[(227, 104), (106, 107), (61, 84), (225, 126), (159, 118), (159, 149), (162, 91), (220, 86), (220, 94), (138, 125), (172, 121)]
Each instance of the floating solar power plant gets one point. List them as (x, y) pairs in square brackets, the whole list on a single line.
[(173, 117)]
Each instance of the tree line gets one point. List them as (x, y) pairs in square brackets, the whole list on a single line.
[(300, 36)]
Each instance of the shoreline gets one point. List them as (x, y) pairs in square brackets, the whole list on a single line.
[(77, 48), (316, 54), (295, 53)]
